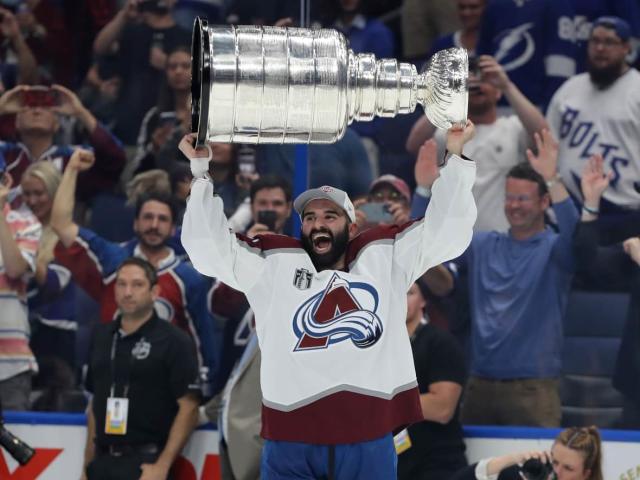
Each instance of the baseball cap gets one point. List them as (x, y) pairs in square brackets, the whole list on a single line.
[(395, 182), (620, 26), (326, 192)]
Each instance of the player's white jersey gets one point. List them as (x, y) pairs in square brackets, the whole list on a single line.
[(587, 120), (337, 365)]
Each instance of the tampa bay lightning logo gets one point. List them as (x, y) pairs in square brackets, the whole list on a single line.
[(335, 315), (515, 47)]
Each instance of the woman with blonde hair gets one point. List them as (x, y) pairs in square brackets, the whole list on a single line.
[(576, 454), (52, 292)]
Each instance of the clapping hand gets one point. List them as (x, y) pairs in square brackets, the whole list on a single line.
[(594, 181)]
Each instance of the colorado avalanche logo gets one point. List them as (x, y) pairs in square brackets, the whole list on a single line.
[(335, 315)]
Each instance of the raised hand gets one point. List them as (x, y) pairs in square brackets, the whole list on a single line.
[(11, 100), (426, 169), (545, 162), (493, 73), (81, 160), (458, 135), (69, 103), (632, 248), (6, 181), (198, 157), (594, 181)]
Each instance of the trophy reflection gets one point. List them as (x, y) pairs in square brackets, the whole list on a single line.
[(258, 84)]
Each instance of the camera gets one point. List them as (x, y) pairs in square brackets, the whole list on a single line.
[(534, 469), (19, 450), (40, 96)]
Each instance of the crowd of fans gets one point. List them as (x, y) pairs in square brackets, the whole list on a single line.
[(557, 190)]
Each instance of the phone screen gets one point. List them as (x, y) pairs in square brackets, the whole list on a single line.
[(376, 212)]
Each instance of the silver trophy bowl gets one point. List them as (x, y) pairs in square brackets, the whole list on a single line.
[(258, 84)]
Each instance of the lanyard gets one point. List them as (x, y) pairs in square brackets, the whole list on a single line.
[(114, 345)]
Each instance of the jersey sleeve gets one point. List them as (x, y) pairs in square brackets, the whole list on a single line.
[(214, 251), (446, 229)]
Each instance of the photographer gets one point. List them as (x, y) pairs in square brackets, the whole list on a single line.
[(576, 454), (37, 124), (145, 31), (388, 202)]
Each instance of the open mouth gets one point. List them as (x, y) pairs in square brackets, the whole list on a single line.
[(321, 242)]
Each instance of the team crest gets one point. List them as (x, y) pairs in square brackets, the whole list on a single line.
[(336, 314), (141, 350), (302, 279)]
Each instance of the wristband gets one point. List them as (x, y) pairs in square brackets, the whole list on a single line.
[(592, 211), (556, 178), (200, 165), (423, 191)]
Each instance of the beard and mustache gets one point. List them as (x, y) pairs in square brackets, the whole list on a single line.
[(604, 77), (339, 242)]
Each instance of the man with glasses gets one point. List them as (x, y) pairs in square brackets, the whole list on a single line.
[(520, 283), (598, 112)]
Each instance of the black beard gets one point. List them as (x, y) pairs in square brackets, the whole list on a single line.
[(604, 77), (338, 247)]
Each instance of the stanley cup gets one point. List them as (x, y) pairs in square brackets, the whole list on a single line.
[(257, 84)]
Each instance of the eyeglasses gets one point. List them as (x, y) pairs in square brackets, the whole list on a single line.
[(604, 42)]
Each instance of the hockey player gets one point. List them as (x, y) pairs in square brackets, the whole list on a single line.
[(337, 372)]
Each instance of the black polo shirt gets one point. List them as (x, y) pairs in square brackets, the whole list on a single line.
[(158, 362), (437, 357)]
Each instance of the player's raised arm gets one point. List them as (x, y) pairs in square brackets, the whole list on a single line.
[(446, 230), (212, 248)]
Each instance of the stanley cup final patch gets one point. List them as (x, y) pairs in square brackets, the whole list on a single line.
[(302, 279)]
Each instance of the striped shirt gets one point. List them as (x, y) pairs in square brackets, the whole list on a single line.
[(15, 355)]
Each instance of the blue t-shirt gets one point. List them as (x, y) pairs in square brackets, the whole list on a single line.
[(519, 291)]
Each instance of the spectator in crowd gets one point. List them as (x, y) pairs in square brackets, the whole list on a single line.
[(92, 260), (500, 142), (170, 113), (100, 90), (519, 283), (143, 373), (586, 12), (614, 267), (422, 23), (343, 164), (25, 69), (19, 237), (597, 112), (388, 202), (533, 41), (145, 32), (180, 183), (576, 454), (470, 15), (434, 448), (52, 292), (270, 205), (37, 124), (322, 414), (365, 35)]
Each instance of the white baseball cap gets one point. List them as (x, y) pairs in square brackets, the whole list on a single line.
[(326, 192)]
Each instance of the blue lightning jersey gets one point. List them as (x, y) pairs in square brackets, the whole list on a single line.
[(533, 41)]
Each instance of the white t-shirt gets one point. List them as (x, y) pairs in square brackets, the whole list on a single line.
[(496, 148), (587, 120)]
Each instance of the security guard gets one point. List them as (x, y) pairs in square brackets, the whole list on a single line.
[(143, 373)]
